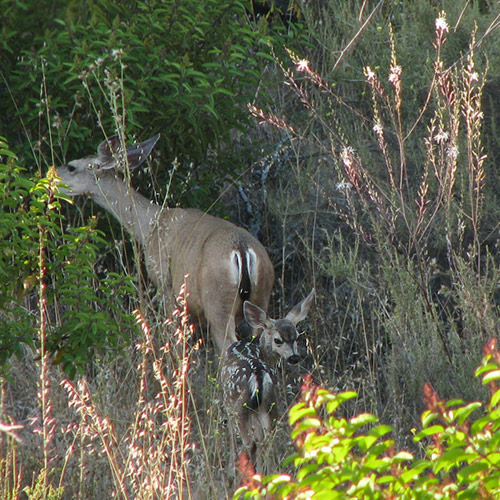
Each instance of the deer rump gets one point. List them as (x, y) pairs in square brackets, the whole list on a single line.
[(220, 263)]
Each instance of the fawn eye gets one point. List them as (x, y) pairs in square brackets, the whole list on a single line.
[(278, 341)]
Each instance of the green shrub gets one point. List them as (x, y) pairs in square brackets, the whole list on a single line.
[(352, 458), (49, 278), (184, 69)]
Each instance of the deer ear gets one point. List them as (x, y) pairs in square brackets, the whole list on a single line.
[(255, 316), (300, 310), (138, 153), (109, 152)]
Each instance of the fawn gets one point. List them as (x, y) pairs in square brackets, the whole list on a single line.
[(249, 380)]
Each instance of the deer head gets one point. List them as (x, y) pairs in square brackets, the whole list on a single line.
[(279, 336), (82, 176)]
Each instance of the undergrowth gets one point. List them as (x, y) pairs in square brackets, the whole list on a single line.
[(343, 458), (376, 184), (389, 203)]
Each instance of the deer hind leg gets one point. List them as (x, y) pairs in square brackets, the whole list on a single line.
[(262, 435), (220, 313), (223, 332), (247, 433), (238, 421), (231, 463)]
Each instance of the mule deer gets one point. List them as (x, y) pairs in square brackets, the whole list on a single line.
[(249, 380), (225, 264)]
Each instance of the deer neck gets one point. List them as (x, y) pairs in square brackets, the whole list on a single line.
[(134, 211), (266, 353)]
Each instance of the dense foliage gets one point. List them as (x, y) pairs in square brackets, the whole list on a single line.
[(77, 308), (74, 72), (351, 458)]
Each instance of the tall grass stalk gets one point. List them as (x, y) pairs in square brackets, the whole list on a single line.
[(152, 459), (409, 195)]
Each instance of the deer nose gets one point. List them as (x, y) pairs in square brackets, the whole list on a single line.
[(293, 359)]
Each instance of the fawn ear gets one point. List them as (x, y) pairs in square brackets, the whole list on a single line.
[(256, 317), (300, 310)]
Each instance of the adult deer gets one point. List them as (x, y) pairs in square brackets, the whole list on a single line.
[(249, 380), (225, 265)]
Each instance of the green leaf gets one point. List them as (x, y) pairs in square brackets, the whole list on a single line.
[(280, 479), (403, 456), (380, 430), (485, 368), (469, 472), (480, 424), (308, 423), (451, 458), (346, 396), (305, 470), (6, 152), (493, 458), (427, 417), (491, 375), (363, 419), (430, 431), (495, 399), (461, 414), (300, 411)]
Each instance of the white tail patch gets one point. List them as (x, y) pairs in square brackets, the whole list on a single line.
[(236, 267), (267, 386), (252, 262), (254, 389)]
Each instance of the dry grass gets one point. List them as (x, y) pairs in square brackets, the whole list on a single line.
[(395, 244)]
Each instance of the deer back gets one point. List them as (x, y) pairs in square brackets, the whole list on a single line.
[(249, 382)]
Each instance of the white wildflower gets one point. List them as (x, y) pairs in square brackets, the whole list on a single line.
[(395, 75), (370, 74), (452, 152), (116, 53), (344, 186), (441, 24), (303, 66), (377, 128), (441, 137)]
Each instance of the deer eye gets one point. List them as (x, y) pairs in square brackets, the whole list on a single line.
[(278, 341)]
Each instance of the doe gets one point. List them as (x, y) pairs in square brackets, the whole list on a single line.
[(225, 264), (249, 380)]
